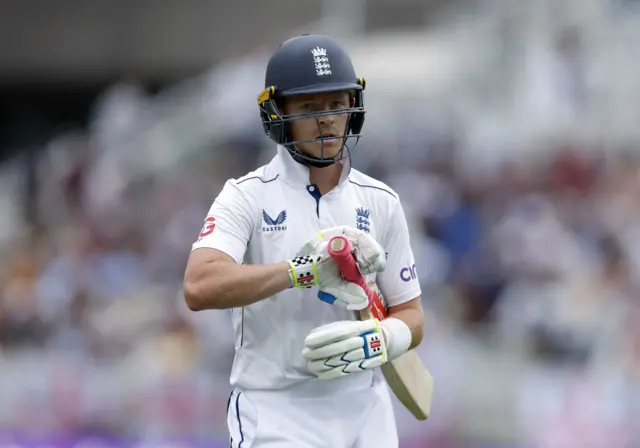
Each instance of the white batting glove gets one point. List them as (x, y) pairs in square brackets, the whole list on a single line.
[(319, 269), (341, 348), (370, 256)]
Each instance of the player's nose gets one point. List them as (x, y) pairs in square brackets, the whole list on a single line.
[(326, 120)]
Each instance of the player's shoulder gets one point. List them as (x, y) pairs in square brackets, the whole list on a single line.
[(255, 179), (371, 186)]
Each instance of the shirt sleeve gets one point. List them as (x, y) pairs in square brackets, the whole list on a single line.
[(228, 225), (399, 281)]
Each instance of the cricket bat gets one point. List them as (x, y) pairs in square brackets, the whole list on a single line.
[(406, 375)]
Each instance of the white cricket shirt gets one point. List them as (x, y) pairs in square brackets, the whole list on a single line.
[(266, 217)]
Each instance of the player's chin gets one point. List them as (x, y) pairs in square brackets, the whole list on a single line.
[(328, 148)]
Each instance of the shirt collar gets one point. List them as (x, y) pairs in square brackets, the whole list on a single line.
[(297, 174)]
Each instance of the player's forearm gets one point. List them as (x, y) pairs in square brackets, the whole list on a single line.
[(221, 285), (414, 319)]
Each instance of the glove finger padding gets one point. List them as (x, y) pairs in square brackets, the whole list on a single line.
[(354, 367), (370, 256), (337, 331), (345, 347), (329, 362), (338, 348), (323, 236), (344, 294)]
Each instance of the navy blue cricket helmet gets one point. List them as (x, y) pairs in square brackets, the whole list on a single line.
[(310, 64)]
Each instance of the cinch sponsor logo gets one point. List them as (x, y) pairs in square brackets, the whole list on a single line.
[(408, 273)]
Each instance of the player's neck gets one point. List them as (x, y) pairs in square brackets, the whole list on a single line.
[(325, 178)]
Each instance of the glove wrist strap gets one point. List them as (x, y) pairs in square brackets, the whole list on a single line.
[(397, 337), (302, 272)]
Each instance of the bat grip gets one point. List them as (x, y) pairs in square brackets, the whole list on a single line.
[(340, 250)]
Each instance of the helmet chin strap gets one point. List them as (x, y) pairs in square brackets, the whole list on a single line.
[(312, 161)]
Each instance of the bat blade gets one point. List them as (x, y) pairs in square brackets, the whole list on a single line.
[(411, 383), (407, 377)]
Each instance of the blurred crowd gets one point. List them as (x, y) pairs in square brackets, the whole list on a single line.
[(530, 276)]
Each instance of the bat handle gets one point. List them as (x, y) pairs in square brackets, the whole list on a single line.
[(340, 250)]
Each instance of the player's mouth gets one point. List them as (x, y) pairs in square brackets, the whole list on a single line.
[(327, 137)]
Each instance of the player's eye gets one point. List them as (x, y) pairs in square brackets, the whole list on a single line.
[(337, 105)]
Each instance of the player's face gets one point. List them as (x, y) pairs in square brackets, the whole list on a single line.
[(321, 128)]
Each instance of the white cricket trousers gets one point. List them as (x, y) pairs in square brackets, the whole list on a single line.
[(361, 418)]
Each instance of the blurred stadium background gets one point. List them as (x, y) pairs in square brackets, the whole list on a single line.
[(510, 129)]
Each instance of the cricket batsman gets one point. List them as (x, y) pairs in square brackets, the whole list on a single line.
[(305, 373)]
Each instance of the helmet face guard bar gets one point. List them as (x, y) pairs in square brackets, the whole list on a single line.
[(322, 162), (277, 127)]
